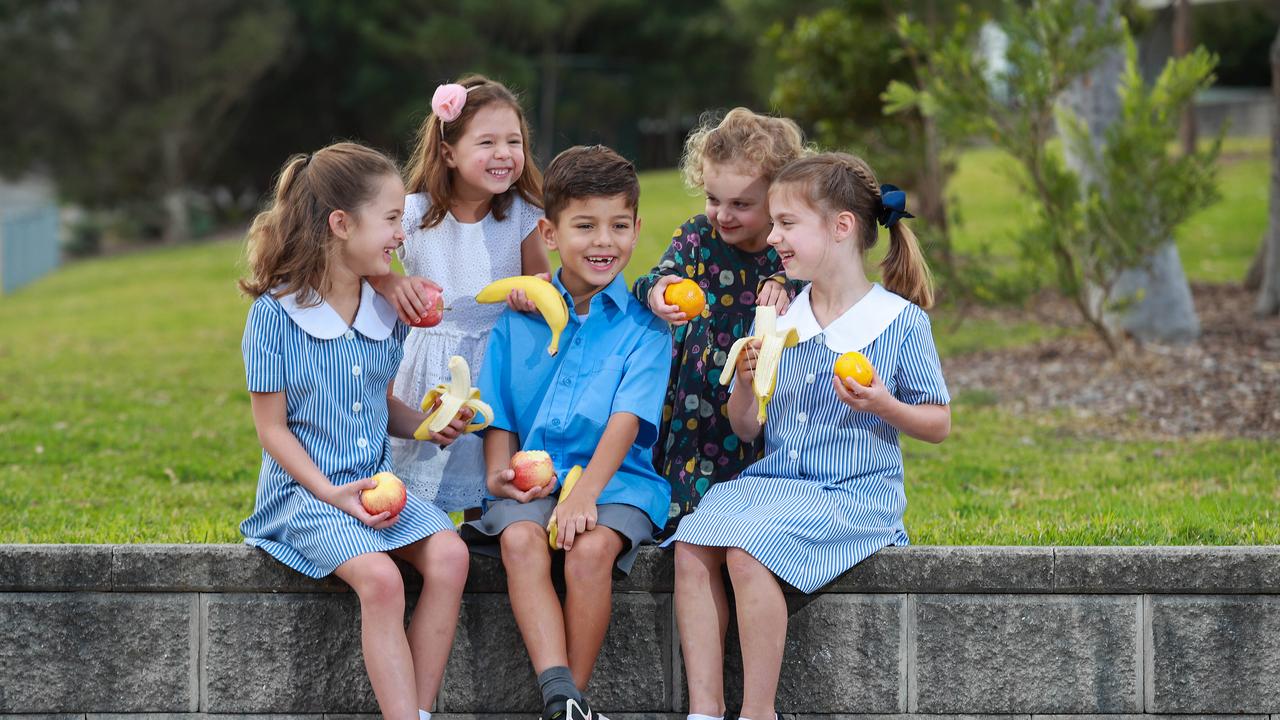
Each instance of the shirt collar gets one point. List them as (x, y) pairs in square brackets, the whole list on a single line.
[(855, 329), (375, 318), (615, 292)]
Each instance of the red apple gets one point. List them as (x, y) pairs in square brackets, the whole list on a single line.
[(388, 496), (435, 308), (533, 468)]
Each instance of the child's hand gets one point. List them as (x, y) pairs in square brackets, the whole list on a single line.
[(746, 369), (575, 516), (873, 398), (408, 295), (774, 293), (499, 484), (518, 301), (347, 499), (456, 428), (658, 303)]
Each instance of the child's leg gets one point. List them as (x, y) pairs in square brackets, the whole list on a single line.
[(588, 580), (702, 617), (762, 628), (527, 560), (443, 562), (376, 580)]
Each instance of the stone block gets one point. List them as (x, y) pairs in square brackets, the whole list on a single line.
[(1039, 654), (1214, 654), (93, 652), (209, 568), (631, 674), (285, 653), (843, 653), (939, 569), (61, 568), (1167, 570)]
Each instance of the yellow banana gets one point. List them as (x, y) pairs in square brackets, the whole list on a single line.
[(772, 343), (569, 481), (544, 296), (454, 396)]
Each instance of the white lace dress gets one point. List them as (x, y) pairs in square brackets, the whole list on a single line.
[(462, 258)]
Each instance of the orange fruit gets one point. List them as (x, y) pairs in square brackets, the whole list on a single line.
[(854, 365), (687, 296)]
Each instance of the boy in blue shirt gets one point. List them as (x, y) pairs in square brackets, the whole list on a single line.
[(596, 403)]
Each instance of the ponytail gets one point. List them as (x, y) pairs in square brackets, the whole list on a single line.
[(904, 269)]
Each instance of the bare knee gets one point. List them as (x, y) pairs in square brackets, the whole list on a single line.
[(377, 582), (740, 562), (592, 556), (524, 544), (447, 561), (695, 562)]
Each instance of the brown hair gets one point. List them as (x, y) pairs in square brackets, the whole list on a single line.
[(585, 172), (759, 142), (428, 173), (836, 182), (289, 244)]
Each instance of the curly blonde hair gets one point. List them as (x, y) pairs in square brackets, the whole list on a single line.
[(758, 143)]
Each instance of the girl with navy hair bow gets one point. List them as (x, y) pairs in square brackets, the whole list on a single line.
[(828, 492)]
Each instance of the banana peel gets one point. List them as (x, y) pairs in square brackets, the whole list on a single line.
[(772, 343), (453, 396), (544, 295), (569, 481)]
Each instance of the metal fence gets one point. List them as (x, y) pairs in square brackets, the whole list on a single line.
[(29, 243)]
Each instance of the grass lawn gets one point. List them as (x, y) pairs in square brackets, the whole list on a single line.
[(123, 414)]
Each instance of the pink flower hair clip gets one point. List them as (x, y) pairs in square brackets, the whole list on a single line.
[(448, 101)]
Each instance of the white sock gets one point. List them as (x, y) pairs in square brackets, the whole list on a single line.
[(424, 715), (695, 716)]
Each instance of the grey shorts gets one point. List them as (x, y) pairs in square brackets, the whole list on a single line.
[(628, 521)]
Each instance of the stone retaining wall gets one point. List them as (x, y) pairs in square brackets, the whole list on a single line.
[(185, 630)]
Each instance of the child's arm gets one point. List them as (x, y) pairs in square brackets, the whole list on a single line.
[(778, 291), (403, 421), (577, 513), (742, 406), (928, 422), (499, 446), (269, 418), (649, 289), (407, 294)]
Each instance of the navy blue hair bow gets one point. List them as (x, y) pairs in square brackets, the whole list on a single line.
[(893, 205)]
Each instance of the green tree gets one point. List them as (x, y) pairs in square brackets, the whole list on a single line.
[(1121, 202)]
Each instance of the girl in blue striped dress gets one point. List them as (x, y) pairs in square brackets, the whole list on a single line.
[(829, 490), (320, 350)]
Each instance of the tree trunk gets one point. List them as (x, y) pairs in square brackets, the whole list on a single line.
[(1269, 296), (1155, 298), (178, 218), (550, 72), (1182, 46)]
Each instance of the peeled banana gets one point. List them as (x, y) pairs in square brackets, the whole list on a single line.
[(569, 481), (772, 343), (454, 396), (544, 295)]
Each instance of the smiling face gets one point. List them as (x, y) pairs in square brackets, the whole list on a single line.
[(489, 157), (737, 205), (802, 235), (372, 232), (595, 237)]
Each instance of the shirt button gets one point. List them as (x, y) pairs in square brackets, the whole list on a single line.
[(565, 381), (793, 454), (577, 341), (362, 443), (351, 335), (355, 407), (555, 422), (355, 370), (802, 418), (810, 378)]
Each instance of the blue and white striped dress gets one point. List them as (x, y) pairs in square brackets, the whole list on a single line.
[(828, 492), (335, 381)]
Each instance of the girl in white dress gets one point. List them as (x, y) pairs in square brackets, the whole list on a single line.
[(829, 490), (475, 197)]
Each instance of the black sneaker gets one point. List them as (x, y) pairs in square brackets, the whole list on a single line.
[(563, 708)]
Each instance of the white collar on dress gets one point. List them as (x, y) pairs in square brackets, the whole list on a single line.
[(375, 319), (855, 329)]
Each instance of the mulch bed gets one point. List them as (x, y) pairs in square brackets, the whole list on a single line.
[(1227, 384)]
